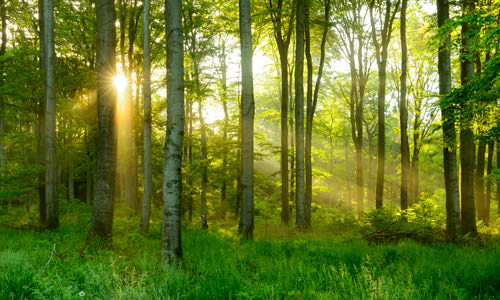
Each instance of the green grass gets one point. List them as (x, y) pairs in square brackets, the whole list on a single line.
[(216, 266)]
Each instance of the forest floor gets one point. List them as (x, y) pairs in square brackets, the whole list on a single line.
[(280, 264)]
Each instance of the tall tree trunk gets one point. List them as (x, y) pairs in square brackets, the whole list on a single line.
[(3, 154), (71, 181), (102, 214), (172, 175), (467, 147), (403, 112), (489, 168), (223, 65), (50, 115), (247, 120), (449, 134), (479, 181), (309, 100), (204, 163), (190, 157), (285, 217), (312, 101), (301, 220), (146, 90), (381, 57)]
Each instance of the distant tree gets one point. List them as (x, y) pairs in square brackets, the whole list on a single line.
[(403, 112)]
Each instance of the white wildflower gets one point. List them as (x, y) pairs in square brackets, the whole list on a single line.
[(82, 293)]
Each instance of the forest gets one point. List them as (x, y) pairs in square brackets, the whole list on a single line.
[(272, 149)]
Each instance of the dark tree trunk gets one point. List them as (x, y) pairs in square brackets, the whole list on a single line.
[(102, 214), (449, 134), (247, 123), (403, 113), (467, 147), (489, 168), (148, 177), (301, 220), (479, 181), (50, 115), (172, 173), (3, 154)]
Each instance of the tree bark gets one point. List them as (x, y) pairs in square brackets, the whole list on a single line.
[(102, 214), (489, 168), (247, 120), (283, 44), (479, 181), (223, 65), (403, 112), (381, 57), (467, 147), (172, 175), (3, 154), (312, 100), (449, 134), (146, 90), (301, 215), (50, 115), (71, 181)]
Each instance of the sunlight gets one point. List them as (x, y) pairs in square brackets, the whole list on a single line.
[(120, 83)]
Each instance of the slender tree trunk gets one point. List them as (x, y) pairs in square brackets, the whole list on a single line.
[(285, 217), (172, 175), (3, 154), (225, 129), (247, 120), (190, 157), (71, 181), (292, 145), (146, 90), (50, 115), (301, 217), (102, 214), (449, 134), (489, 168), (403, 113), (309, 100), (467, 147), (204, 165), (479, 181)]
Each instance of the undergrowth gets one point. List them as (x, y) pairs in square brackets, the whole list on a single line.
[(315, 265)]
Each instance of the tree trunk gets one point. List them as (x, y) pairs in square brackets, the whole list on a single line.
[(50, 115), (247, 120), (301, 220), (3, 154), (449, 134), (172, 175), (479, 181), (102, 214), (285, 217), (489, 168), (309, 100), (223, 65), (403, 113), (204, 164), (467, 147), (71, 181), (148, 175)]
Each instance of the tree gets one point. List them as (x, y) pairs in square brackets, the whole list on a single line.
[(387, 20), (312, 100), (172, 175), (403, 112), (102, 213), (283, 44), (449, 135), (299, 115), (146, 91), (246, 225), (3, 154), (50, 115), (467, 147)]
